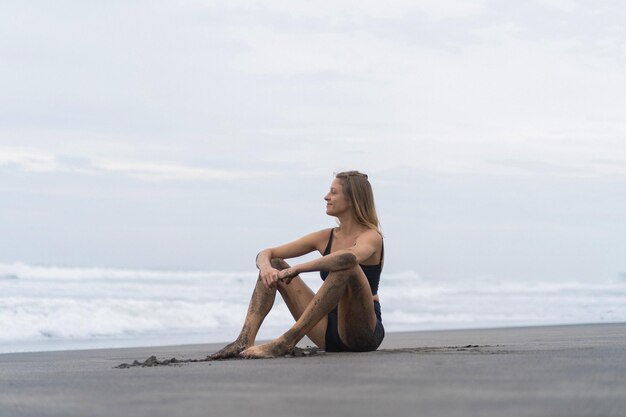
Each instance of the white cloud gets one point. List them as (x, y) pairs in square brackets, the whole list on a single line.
[(347, 10), (167, 171), (38, 161), (362, 85), (567, 6), (307, 53), (30, 161)]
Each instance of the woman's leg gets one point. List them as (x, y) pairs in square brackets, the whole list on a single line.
[(347, 288), (260, 305), (357, 319), (297, 296)]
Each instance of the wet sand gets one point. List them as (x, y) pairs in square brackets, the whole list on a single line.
[(537, 371)]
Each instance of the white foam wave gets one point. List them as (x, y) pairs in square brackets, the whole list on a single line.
[(21, 271), (40, 305), (25, 318)]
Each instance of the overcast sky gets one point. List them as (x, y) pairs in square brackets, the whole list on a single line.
[(191, 134)]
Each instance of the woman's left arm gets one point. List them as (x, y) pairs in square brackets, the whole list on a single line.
[(362, 250)]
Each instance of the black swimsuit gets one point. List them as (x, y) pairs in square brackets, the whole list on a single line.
[(333, 341)]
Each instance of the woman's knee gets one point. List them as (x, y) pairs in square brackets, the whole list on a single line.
[(346, 274), (279, 264), (353, 270), (353, 279)]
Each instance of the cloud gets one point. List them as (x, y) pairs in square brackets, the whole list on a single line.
[(235, 89), (567, 6), (165, 171), (29, 161), (343, 11), (32, 161)]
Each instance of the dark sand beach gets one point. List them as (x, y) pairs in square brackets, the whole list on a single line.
[(536, 371)]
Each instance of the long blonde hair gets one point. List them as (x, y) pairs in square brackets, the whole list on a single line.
[(358, 190)]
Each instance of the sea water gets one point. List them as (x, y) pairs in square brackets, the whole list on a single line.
[(53, 308)]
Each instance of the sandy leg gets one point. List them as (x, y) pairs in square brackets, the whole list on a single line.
[(323, 302), (260, 304)]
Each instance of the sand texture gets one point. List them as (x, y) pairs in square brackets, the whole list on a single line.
[(564, 371)]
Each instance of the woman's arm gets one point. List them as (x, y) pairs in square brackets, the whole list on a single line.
[(299, 247), (362, 250), (336, 261)]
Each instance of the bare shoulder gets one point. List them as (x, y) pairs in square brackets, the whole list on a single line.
[(368, 247), (370, 236)]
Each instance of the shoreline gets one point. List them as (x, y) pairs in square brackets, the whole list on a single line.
[(129, 344), (568, 370)]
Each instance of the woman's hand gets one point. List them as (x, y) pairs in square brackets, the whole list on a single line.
[(269, 277), (286, 275)]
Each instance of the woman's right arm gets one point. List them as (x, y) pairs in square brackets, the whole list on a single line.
[(299, 247)]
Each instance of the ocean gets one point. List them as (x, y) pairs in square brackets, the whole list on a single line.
[(44, 308)]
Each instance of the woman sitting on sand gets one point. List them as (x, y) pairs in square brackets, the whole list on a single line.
[(344, 315)]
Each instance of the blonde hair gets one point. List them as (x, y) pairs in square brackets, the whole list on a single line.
[(358, 190)]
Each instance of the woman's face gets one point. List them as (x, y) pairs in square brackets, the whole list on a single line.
[(336, 201)]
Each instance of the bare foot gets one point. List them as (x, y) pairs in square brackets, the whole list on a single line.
[(273, 349), (231, 350)]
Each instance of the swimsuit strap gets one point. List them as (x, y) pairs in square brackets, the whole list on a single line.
[(330, 242)]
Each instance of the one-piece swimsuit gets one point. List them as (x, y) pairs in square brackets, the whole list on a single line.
[(333, 341)]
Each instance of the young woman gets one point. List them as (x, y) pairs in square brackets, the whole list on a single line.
[(344, 315)]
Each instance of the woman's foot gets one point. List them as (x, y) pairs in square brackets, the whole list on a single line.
[(231, 350), (273, 349)]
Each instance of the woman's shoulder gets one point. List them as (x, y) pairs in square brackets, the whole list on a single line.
[(372, 234)]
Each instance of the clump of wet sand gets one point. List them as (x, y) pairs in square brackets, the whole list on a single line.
[(154, 361)]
